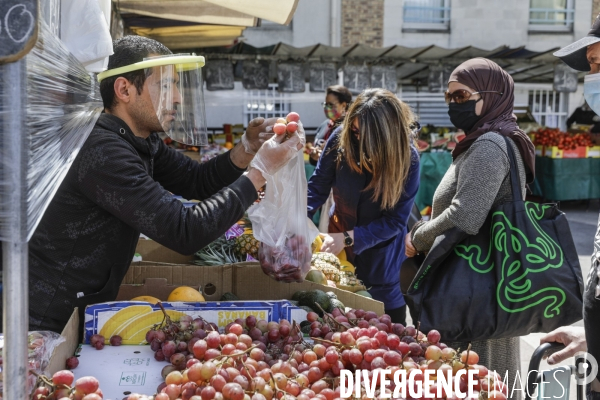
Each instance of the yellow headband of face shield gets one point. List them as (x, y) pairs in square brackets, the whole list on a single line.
[(181, 62)]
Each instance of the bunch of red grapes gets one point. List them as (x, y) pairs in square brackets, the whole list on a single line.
[(61, 387), (259, 360)]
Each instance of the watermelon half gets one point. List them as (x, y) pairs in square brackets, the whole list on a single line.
[(440, 142), (422, 145)]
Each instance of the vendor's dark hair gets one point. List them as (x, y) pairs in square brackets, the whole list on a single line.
[(129, 50), (341, 93)]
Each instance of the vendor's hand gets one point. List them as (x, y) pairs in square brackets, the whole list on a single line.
[(332, 243), (259, 131), (572, 337), (316, 153), (277, 152), (409, 247)]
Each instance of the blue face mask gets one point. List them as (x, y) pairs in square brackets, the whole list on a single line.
[(591, 92)]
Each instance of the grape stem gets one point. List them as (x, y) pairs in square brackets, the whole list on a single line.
[(467, 358), (277, 390), (330, 342), (43, 378), (330, 318), (249, 349)]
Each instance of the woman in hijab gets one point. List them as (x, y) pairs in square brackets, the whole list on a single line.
[(480, 98)]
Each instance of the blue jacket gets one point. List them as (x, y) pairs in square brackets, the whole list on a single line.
[(378, 250)]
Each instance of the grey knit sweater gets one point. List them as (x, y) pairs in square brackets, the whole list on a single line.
[(477, 181)]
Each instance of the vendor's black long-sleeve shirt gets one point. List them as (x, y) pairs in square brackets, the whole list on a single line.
[(117, 187)]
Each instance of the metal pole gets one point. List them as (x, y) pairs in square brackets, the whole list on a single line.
[(15, 142)]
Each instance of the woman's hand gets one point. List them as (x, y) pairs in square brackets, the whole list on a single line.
[(316, 153), (409, 248), (332, 243)]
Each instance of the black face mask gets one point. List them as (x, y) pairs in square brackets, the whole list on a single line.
[(463, 115)]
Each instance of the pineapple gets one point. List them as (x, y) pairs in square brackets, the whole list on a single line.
[(328, 264), (219, 252), (349, 281), (247, 244), (317, 243)]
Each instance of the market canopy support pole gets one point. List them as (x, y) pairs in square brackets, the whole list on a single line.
[(15, 153)]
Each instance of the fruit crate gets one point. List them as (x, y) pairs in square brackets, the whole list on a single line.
[(246, 280), (593, 152), (578, 152)]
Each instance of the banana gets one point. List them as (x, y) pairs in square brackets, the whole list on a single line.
[(135, 331), (121, 318)]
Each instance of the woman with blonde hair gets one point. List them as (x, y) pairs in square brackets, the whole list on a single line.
[(372, 167)]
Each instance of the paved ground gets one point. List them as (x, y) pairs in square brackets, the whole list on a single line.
[(583, 218)]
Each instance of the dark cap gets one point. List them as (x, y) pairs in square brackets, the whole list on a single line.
[(574, 55)]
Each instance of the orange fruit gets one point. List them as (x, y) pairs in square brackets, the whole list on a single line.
[(185, 293), (228, 145)]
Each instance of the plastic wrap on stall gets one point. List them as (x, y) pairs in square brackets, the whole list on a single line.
[(62, 108), (40, 349), (280, 223)]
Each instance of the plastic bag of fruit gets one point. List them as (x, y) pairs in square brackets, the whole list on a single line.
[(40, 348), (279, 220)]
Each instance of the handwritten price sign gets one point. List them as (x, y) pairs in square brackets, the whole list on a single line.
[(18, 28)]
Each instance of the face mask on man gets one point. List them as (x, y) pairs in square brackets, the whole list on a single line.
[(591, 92), (463, 115)]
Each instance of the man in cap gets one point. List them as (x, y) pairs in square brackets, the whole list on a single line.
[(121, 184), (584, 55)]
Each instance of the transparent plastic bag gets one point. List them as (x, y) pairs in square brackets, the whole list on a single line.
[(40, 348), (84, 30), (280, 223)]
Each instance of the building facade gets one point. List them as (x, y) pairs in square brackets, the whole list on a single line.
[(537, 25)]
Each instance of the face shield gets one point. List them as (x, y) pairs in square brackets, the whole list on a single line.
[(175, 88)]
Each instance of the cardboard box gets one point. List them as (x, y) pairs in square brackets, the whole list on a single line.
[(121, 370), (250, 283), (133, 319), (67, 348), (593, 152), (540, 151), (211, 281), (153, 251), (245, 280), (555, 152)]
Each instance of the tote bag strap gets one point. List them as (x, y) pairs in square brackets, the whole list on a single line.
[(515, 180)]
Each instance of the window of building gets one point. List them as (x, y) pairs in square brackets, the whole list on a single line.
[(268, 103), (426, 15), (430, 108), (551, 15), (549, 108)]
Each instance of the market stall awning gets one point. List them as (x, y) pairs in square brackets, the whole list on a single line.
[(185, 37), (411, 63), (217, 12)]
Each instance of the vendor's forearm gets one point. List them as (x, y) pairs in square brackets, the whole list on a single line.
[(239, 157), (256, 178)]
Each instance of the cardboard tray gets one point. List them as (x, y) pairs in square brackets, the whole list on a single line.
[(246, 280), (67, 348), (154, 251)]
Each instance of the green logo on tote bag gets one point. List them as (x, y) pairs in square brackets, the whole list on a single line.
[(515, 292)]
